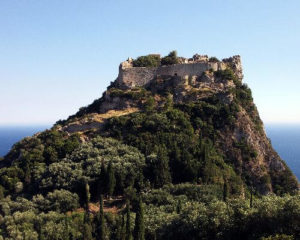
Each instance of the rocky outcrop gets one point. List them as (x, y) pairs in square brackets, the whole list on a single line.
[(244, 131), (95, 121), (235, 64)]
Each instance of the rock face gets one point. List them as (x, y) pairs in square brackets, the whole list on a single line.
[(266, 158), (236, 65)]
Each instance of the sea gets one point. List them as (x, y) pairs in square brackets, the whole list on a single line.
[(285, 139), (9, 135)]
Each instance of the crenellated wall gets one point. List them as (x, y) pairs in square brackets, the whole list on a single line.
[(139, 76)]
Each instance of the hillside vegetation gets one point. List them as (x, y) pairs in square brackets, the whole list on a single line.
[(176, 159)]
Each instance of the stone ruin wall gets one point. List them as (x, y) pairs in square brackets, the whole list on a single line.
[(139, 76)]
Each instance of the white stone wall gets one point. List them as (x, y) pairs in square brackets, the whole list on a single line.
[(140, 76)]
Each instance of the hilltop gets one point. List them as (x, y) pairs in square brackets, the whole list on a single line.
[(213, 98), (178, 137)]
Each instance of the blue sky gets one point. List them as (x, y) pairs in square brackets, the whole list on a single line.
[(57, 56)]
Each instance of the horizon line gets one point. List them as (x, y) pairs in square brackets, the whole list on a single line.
[(50, 124)]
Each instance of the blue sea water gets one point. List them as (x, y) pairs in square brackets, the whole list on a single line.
[(9, 135), (285, 139)]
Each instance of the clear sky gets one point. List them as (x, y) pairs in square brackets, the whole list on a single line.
[(59, 55)]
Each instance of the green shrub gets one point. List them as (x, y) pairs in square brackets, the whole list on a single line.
[(278, 237), (170, 59), (226, 74), (134, 94), (58, 200), (147, 61), (213, 59)]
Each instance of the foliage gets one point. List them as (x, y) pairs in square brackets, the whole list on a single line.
[(278, 237), (84, 164), (139, 228), (128, 233), (174, 151), (243, 95), (170, 59), (101, 228), (111, 179), (213, 59), (147, 61), (133, 94), (59, 201), (166, 160), (31, 156), (217, 220)]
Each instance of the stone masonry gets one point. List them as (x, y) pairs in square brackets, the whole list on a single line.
[(130, 76)]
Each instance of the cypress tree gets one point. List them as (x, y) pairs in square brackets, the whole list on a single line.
[(251, 197), (101, 181), (191, 169), (101, 221), (200, 141), (207, 171), (225, 190), (179, 207), (87, 196), (27, 177), (149, 104), (111, 179), (169, 102), (205, 153), (162, 171), (121, 230), (1, 192), (128, 223), (139, 228), (87, 227), (87, 232), (139, 182), (66, 233)]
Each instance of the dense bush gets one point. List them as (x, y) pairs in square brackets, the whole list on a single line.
[(86, 162), (213, 59), (59, 201), (31, 156), (165, 216), (175, 153), (36, 172), (134, 94), (226, 74), (278, 237), (217, 220), (170, 59), (147, 61)]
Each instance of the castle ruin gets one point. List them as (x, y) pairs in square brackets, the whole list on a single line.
[(130, 76)]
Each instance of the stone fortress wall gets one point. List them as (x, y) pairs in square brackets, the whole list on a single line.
[(130, 76)]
